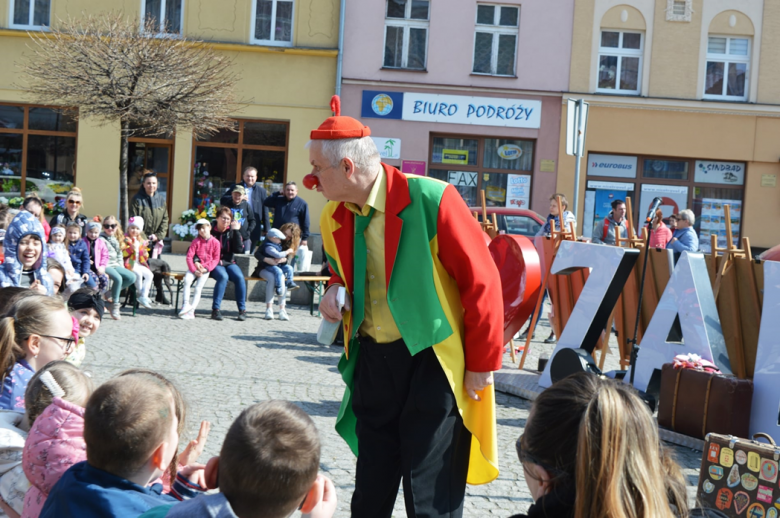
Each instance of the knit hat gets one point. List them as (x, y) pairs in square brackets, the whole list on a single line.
[(275, 232), (136, 221), (202, 222), (239, 189), (87, 298), (339, 126), (93, 224)]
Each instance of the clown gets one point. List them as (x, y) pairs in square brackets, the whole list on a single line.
[(423, 329)]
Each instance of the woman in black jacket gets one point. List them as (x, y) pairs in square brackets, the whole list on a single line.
[(228, 232)]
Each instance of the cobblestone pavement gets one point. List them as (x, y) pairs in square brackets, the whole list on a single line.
[(222, 367)]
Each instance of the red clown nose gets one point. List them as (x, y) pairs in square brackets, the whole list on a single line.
[(311, 182)]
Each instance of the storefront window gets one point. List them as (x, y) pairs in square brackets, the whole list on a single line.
[(45, 161), (475, 164), (220, 160), (666, 169), (709, 208)]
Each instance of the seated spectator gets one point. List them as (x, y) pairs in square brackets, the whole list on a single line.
[(33, 204), (271, 248), (79, 255), (57, 251), (228, 232), (685, 238), (267, 467), (87, 308), (569, 471), (25, 255), (57, 274), (121, 277), (54, 404), (35, 331), (202, 257), (243, 214), (131, 432)]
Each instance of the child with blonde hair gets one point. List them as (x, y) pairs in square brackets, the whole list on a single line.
[(136, 255), (120, 276), (59, 252)]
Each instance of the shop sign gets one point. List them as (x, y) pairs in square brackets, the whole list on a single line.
[(611, 186), (518, 188), (618, 166), (547, 166), (727, 173), (768, 180), (481, 111), (455, 156), (413, 167), (388, 147), (462, 178), (382, 105), (510, 152)]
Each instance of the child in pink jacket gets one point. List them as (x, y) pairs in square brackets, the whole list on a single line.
[(98, 254), (202, 258), (54, 400)]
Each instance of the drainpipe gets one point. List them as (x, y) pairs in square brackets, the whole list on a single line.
[(340, 59)]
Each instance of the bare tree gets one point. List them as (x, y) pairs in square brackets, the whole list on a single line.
[(116, 69)]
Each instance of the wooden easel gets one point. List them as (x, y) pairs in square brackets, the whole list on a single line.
[(632, 240), (729, 253), (558, 237)]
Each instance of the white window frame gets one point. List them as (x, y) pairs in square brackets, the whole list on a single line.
[(620, 53), (726, 59), (161, 19), (685, 17), (272, 42), (407, 24), (31, 14), (496, 30)]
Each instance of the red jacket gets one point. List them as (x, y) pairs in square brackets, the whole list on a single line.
[(661, 236), (207, 251)]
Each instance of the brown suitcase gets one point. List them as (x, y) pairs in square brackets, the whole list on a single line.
[(739, 477), (695, 403)]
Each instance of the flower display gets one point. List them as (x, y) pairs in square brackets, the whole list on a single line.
[(185, 230)]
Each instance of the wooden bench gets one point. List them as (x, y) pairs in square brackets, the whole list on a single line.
[(314, 283)]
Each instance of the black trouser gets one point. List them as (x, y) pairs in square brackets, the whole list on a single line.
[(408, 427)]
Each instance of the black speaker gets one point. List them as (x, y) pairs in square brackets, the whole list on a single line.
[(572, 361)]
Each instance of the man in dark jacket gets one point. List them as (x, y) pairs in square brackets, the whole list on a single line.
[(242, 214), (255, 196), (289, 208)]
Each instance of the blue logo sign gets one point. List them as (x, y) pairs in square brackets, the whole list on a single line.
[(382, 105)]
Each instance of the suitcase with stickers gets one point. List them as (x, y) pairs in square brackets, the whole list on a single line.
[(739, 477)]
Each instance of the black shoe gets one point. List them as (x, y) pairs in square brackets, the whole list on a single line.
[(292, 286), (162, 299), (550, 339), (241, 315), (216, 314), (279, 290)]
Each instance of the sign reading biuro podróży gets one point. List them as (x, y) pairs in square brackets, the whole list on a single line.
[(453, 109)]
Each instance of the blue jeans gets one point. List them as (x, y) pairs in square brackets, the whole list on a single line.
[(92, 281), (221, 274), (280, 272)]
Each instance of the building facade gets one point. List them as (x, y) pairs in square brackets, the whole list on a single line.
[(685, 105), (465, 91), (284, 50)]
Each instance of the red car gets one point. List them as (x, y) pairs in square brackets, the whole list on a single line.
[(521, 222)]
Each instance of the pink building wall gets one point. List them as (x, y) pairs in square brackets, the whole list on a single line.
[(543, 60)]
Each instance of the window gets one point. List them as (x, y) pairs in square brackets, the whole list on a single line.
[(495, 40), (37, 153), (166, 15), (273, 22), (30, 14), (679, 10), (406, 34), (221, 158), (502, 167), (620, 62), (727, 68)]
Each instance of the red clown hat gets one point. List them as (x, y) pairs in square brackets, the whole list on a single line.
[(339, 126)]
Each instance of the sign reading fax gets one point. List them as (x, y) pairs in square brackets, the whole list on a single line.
[(482, 111)]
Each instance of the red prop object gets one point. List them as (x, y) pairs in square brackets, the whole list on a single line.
[(521, 279), (310, 182)]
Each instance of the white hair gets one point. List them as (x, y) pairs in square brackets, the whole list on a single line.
[(362, 151), (688, 216)]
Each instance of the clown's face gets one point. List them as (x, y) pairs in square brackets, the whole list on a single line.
[(333, 180)]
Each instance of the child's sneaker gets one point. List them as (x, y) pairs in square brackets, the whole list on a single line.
[(292, 286), (269, 314), (115, 312), (184, 310), (189, 315), (278, 290), (145, 302), (283, 314)]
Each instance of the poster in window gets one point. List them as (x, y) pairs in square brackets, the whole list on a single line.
[(713, 222), (518, 187), (455, 156), (674, 199)]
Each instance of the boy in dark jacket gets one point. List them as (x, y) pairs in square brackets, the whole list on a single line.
[(79, 255), (242, 214)]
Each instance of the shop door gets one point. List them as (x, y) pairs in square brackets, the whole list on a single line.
[(156, 157)]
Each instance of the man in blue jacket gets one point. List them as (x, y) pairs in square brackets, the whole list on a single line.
[(684, 238), (255, 197), (289, 208)]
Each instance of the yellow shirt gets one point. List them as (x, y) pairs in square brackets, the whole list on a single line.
[(378, 322)]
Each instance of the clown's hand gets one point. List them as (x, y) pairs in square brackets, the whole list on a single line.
[(474, 382)]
